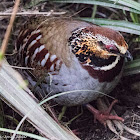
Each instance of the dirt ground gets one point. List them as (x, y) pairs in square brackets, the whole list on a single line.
[(127, 91)]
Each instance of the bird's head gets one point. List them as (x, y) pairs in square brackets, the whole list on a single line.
[(98, 46)]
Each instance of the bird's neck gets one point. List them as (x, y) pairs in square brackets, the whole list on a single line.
[(105, 75)]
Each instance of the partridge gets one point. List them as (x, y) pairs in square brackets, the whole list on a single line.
[(79, 55)]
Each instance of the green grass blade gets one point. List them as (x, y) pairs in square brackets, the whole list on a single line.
[(129, 3), (23, 133), (123, 26), (135, 17), (104, 4), (132, 67)]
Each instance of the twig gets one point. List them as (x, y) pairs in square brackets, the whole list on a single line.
[(23, 68), (8, 31), (31, 13)]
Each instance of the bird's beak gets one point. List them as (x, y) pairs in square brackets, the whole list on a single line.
[(128, 56)]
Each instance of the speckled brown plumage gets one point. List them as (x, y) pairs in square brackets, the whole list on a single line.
[(79, 55)]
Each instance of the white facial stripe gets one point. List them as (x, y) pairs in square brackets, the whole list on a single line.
[(47, 56), (41, 48), (52, 58), (122, 49), (52, 67), (109, 67), (43, 62)]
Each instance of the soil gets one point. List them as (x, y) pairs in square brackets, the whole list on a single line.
[(127, 92)]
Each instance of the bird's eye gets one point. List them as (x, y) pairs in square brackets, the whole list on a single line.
[(112, 48)]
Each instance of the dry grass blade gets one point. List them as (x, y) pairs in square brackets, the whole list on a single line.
[(112, 125), (24, 103), (32, 13), (131, 130), (8, 31)]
